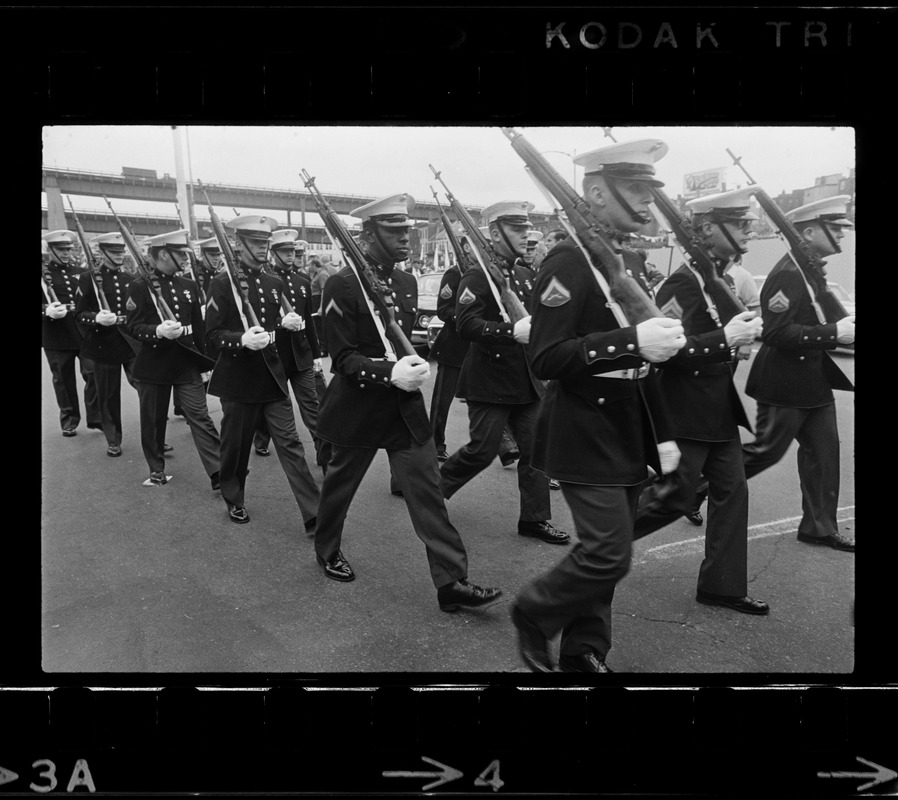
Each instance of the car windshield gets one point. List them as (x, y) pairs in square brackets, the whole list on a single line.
[(839, 291), (429, 284)]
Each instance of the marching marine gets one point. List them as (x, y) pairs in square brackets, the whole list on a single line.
[(171, 357)]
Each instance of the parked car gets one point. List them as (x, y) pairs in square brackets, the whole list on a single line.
[(433, 328), (841, 293), (428, 291)]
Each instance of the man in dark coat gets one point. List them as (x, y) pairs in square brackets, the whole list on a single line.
[(106, 342), (172, 356), (374, 401), (298, 350), (793, 375), (249, 376), (602, 420), (61, 336), (706, 409), (496, 380)]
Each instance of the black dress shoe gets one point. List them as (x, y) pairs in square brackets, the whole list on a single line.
[(215, 480), (442, 454), (532, 644), (311, 523), (464, 594), (69, 432), (396, 492), (237, 514), (544, 531), (167, 448), (584, 662), (507, 459), (836, 541), (337, 568), (554, 485), (157, 479), (744, 604), (114, 451), (695, 517), (94, 426), (263, 451)]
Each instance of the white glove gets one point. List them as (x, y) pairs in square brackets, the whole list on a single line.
[(169, 329), (56, 310), (743, 352), (659, 338), (845, 330), (669, 455), (106, 318), (409, 373), (317, 365), (744, 328), (292, 322), (522, 330), (256, 338)]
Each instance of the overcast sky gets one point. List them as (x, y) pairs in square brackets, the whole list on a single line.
[(478, 163)]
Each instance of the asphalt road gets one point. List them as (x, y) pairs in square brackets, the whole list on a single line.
[(158, 580)]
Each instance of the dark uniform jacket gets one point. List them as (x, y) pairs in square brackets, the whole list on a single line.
[(449, 348), (496, 368), (590, 430), (361, 408), (792, 368), (698, 381), (62, 334), (243, 375), (297, 349), (167, 361), (105, 342)]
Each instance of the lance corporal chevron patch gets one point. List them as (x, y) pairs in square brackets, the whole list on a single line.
[(446, 292), (212, 303), (672, 309), (466, 297), (555, 294), (332, 306), (130, 305), (778, 303)]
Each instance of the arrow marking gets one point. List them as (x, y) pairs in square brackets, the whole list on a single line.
[(7, 776), (445, 775), (880, 776)]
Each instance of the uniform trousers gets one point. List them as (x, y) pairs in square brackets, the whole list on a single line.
[(818, 459), (724, 569), (415, 472), (487, 421), (306, 393), (444, 387), (108, 380), (62, 368), (575, 596), (238, 425), (191, 399)]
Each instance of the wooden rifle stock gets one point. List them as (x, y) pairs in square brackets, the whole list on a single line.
[(92, 266), (461, 257), (141, 264), (813, 267), (230, 259), (486, 256), (605, 255), (360, 266), (728, 304)]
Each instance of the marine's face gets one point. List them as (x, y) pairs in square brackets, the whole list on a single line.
[(62, 253), (515, 236), (390, 244), (638, 195), (254, 251), (819, 241), (285, 256), (113, 257)]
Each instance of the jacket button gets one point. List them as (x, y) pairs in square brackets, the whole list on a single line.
[(801, 358), (601, 401), (707, 350), (631, 347), (592, 353), (722, 345), (691, 350), (611, 348), (695, 373)]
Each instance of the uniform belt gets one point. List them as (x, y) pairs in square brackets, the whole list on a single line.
[(625, 374), (188, 329)]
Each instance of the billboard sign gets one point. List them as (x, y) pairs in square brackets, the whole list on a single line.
[(707, 181)]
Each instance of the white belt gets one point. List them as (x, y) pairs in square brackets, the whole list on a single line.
[(625, 374), (188, 329)]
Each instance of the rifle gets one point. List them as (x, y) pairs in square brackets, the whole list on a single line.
[(486, 256), (92, 266), (360, 266), (728, 304), (191, 267), (464, 261), (811, 265), (142, 264), (234, 272), (47, 284), (604, 254)]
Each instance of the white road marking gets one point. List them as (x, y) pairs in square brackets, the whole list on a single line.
[(777, 527)]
